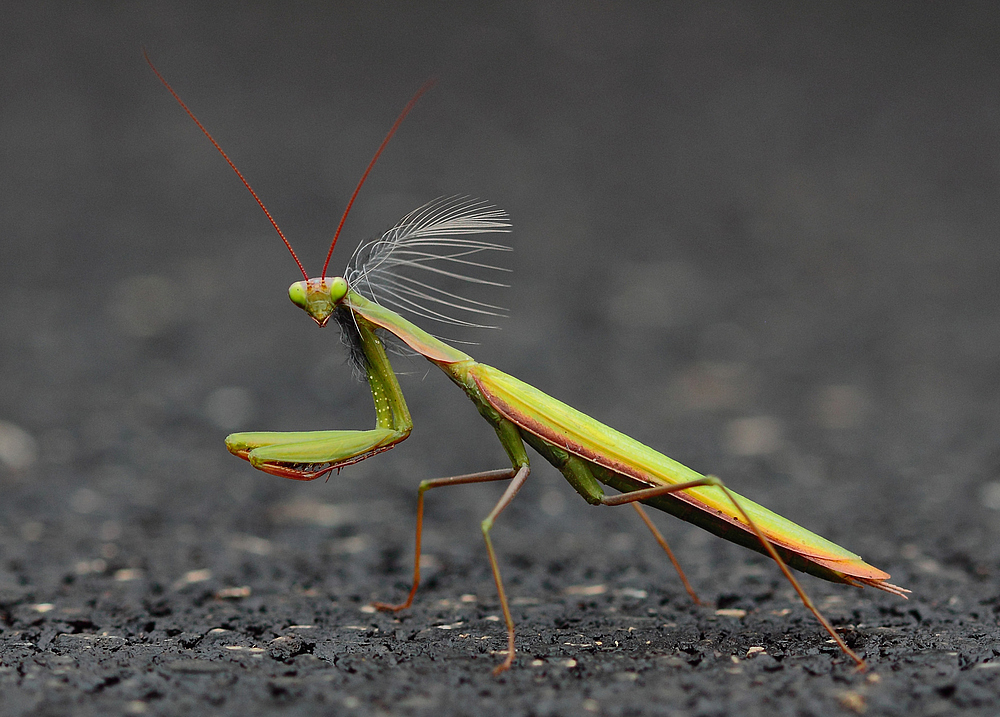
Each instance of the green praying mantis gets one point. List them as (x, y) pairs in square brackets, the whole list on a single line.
[(440, 240)]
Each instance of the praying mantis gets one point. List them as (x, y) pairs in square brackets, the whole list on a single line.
[(441, 240)]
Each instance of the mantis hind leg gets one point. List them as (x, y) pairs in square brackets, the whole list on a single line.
[(580, 475), (670, 553), (647, 493)]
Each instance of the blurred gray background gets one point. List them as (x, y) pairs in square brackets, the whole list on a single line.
[(760, 237)]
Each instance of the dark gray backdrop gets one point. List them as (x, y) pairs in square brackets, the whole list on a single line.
[(759, 237)]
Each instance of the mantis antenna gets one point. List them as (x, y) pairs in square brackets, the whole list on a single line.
[(228, 160), (392, 130)]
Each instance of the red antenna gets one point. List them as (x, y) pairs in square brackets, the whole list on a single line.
[(226, 157), (392, 130)]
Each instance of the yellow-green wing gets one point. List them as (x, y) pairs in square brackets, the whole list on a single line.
[(581, 435)]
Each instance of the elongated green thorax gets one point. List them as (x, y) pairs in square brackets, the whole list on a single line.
[(412, 335)]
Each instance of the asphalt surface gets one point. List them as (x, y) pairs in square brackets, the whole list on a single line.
[(761, 239)]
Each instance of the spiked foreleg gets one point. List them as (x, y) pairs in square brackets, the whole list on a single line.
[(307, 455)]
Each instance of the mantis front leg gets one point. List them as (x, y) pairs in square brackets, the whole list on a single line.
[(307, 455)]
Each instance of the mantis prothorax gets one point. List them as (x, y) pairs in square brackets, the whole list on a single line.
[(440, 240)]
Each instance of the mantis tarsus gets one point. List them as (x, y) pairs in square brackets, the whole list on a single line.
[(585, 451)]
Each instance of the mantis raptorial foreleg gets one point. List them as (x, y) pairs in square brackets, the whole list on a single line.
[(307, 455)]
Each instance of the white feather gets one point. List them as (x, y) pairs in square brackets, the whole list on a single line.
[(434, 239)]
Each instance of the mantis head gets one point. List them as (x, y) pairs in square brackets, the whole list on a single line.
[(318, 297)]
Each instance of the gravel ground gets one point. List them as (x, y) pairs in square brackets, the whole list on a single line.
[(761, 240)]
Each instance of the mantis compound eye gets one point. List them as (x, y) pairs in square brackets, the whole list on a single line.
[(298, 294), (337, 288)]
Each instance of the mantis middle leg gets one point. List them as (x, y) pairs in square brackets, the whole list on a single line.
[(517, 475)]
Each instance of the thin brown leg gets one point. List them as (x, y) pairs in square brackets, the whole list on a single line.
[(487, 525), (646, 493), (483, 477), (666, 548)]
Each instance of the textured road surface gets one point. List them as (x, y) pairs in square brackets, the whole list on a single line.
[(760, 240)]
